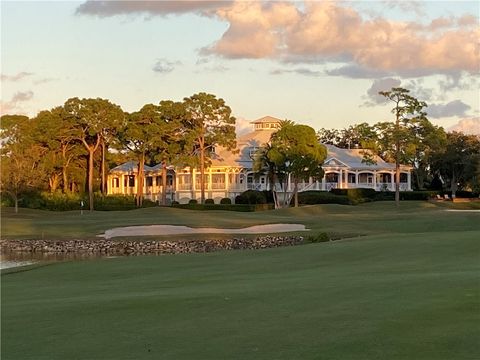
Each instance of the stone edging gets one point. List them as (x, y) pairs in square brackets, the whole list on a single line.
[(126, 247)]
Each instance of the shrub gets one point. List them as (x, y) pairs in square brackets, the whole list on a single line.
[(416, 195), (357, 195), (192, 201), (175, 203), (226, 201), (320, 237), (226, 207), (251, 197), (313, 197), (209, 201)]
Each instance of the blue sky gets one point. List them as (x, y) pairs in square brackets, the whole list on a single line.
[(316, 63)]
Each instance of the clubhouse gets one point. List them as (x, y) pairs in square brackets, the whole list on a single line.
[(230, 174)]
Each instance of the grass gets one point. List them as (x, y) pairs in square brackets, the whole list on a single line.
[(369, 218), (408, 289)]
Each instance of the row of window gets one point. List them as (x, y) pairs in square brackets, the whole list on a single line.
[(129, 181)]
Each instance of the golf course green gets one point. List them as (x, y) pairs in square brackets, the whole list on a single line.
[(401, 283)]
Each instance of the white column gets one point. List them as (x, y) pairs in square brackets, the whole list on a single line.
[(375, 179), (340, 180), (409, 180), (356, 178), (324, 182), (392, 180), (122, 181)]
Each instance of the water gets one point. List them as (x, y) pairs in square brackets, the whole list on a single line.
[(16, 258)]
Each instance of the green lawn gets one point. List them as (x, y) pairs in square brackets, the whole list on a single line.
[(408, 289)]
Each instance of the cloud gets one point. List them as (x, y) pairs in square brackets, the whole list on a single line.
[(165, 66), (242, 126), (300, 71), (14, 104), (453, 108), (16, 77), (469, 126), (162, 8), (357, 72), (331, 31), (373, 97)]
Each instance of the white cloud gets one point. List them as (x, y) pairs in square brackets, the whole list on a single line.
[(469, 126)]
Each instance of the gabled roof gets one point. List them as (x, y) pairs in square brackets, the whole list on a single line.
[(265, 119), (353, 159)]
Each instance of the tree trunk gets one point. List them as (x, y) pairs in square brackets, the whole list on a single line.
[(202, 175), (65, 180), (164, 183), (104, 183), (397, 160), (295, 192), (140, 180), (91, 152), (15, 199)]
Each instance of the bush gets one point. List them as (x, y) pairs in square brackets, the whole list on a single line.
[(226, 201), (466, 194), (251, 197), (314, 197), (226, 207), (320, 237), (417, 195), (357, 195), (209, 201), (175, 203), (192, 201)]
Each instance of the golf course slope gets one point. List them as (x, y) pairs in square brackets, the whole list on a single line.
[(404, 291)]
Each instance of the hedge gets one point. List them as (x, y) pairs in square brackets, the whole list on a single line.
[(226, 207), (313, 197), (67, 202)]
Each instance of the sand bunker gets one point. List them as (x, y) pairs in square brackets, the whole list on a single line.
[(177, 230)]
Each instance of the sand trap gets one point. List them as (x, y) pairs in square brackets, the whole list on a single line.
[(466, 210), (176, 230)]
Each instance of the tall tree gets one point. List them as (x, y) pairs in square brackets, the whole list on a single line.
[(21, 158), (92, 117), (458, 162), (148, 135), (168, 147), (406, 110), (296, 153), (209, 123)]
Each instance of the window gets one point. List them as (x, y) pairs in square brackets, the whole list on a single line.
[(149, 181), (331, 177), (158, 180), (115, 183), (131, 180), (351, 178)]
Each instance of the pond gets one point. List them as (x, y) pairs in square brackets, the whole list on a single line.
[(19, 258)]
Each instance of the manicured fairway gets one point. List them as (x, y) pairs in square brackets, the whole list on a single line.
[(408, 289)]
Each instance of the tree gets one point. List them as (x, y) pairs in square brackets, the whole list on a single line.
[(396, 136), (149, 134), (91, 117), (169, 147), (458, 163), (55, 132), (296, 153), (21, 158), (208, 124)]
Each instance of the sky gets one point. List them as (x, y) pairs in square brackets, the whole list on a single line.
[(320, 63)]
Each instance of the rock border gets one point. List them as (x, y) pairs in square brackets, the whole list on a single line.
[(128, 247)]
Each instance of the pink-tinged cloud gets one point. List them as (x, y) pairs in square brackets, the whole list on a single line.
[(255, 29), (112, 8), (13, 106), (467, 126), (16, 77), (331, 31)]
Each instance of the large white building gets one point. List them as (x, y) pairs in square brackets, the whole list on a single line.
[(231, 173)]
